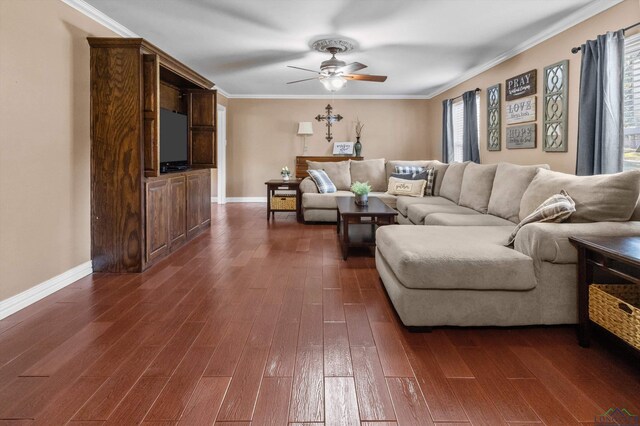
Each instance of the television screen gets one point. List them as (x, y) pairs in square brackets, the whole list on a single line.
[(173, 137)]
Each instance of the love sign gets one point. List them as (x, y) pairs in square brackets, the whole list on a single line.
[(521, 110)]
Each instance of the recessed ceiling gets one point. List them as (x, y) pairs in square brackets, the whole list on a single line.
[(422, 45)]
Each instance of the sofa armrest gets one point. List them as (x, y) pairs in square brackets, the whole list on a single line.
[(308, 186), (549, 242)]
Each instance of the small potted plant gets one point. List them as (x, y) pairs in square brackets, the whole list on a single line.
[(361, 190), (285, 173)]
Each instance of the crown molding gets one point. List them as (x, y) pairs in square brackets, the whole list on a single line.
[(372, 97), (564, 24), (93, 13)]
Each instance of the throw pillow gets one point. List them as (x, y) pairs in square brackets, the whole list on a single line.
[(411, 188), (556, 208), (427, 175), (410, 169), (324, 184)]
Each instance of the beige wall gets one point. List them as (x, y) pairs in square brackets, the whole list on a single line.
[(44, 138), (261, 135), (551, 51)]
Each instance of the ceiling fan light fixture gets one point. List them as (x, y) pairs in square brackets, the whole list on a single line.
[(334, 83)]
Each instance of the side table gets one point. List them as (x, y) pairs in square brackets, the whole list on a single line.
[(617, 256), (274, 185)]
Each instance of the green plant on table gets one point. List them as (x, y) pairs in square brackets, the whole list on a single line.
[(361, 188)]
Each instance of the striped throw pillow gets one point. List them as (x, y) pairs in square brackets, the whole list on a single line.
[(322, 181), (556, 208)]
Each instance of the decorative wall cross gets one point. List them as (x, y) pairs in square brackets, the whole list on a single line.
[(330, 119)]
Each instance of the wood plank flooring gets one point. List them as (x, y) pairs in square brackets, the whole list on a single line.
[(264, 324)]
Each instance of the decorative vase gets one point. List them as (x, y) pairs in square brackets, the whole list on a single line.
[(285, 177), (362, 199), (358, 146)]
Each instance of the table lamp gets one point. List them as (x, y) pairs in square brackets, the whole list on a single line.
[(305, 129)]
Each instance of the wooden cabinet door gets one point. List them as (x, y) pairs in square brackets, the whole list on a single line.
[(205, 199), (151, 107), (177, 211), (202, 128), (157, 219), (194, 203)]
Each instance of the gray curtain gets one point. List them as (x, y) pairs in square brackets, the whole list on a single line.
[(470, 150), (600, 125), (447, 131)]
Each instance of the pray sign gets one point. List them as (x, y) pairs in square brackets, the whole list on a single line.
[(521, 85)]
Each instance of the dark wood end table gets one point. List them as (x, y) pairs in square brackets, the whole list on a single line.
[(616, 256), (292, 184), (359, 223)]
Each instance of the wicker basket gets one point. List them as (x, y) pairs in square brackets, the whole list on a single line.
[(616, 307), (283, 202)]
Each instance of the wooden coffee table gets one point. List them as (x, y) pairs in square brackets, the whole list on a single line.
[(359, 223)]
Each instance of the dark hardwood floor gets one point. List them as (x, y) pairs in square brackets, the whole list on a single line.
[(264, 324)]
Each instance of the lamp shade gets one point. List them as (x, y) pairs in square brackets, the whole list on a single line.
[(305, 128)]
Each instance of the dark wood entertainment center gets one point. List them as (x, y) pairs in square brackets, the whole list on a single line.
[(139, 215)]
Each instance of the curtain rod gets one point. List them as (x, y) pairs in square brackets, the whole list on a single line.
[(477, 89), (577, 49)]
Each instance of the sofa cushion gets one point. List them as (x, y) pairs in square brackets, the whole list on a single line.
[(322, 181), (452, 219), (338, 172), (371, 171), (510, 183), (417, 212), (452, 181), (549, 242), (323, 201), (557, 208), (439, 170), (403, 203), (598, 198), (411, 188), (308, 185), (454, 257), (477, 182)]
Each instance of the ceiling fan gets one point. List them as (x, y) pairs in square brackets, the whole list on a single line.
[(334, 73)]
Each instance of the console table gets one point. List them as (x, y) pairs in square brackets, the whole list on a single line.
[(302, 166), (617, 256)]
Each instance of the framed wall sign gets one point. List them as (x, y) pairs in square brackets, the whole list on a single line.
[(521, 110), (343, 148), (493, 118), (555, 110), (521, 85), (521, 136)]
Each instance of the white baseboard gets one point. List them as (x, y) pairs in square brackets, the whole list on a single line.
[(40, 291), (246, 199)]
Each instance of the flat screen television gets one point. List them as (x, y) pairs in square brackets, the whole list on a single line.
[(173, 140)]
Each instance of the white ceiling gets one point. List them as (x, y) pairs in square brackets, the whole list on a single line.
[(423, 46)]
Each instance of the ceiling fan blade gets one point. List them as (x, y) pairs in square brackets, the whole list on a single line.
[(306, 79), (303, 69), (366, 77), (352, 67)]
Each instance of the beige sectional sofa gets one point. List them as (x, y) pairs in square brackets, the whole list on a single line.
[(452, 266)]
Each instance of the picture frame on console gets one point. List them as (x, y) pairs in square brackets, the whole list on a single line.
[(343, 148)]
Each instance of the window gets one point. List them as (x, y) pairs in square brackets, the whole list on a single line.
[(631, 103), (458, 125)]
